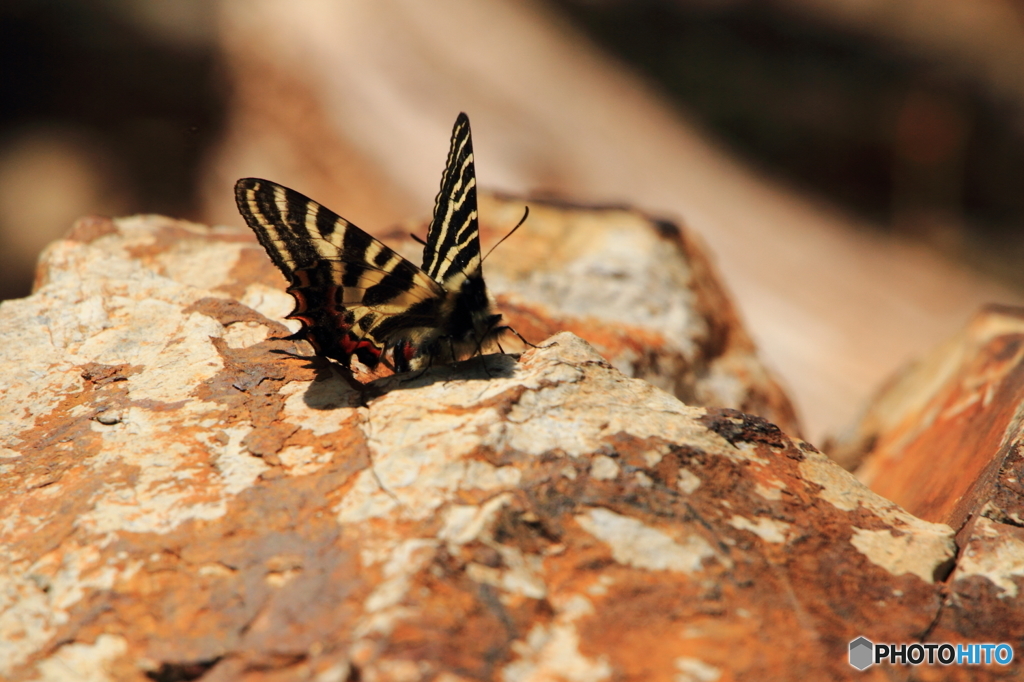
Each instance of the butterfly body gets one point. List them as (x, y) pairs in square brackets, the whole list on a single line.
[(358, 299)]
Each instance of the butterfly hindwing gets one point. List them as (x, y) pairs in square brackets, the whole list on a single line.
[(453, 240), (353, 295)]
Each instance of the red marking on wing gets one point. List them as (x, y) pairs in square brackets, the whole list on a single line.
[(351, 345), (301, 304), (326, 324), (331, 306), (306, 321)]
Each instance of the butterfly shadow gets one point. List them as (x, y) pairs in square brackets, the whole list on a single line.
[(335, 387), (479, 368)]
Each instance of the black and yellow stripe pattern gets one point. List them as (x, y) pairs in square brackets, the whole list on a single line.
[(453, 239), (355, 297)]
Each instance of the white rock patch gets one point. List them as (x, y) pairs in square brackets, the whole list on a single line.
[(915, 553), (687, 481), (695, 670), (83, 662), (999, 562), (634, 544), (603, 468), (552, 652), (767, 529)]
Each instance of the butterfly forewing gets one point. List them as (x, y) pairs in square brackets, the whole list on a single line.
[(453, 239), (352, 293)]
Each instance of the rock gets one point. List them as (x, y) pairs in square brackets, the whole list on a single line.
[(943, 439), (641, 290), (983, 601), (959, 406), (186, 496)]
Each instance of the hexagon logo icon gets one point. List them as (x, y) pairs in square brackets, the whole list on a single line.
[(861, 650)]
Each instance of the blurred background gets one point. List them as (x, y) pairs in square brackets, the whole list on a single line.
[(855, 166)]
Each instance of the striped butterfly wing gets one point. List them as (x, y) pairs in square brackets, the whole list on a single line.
[(452, 249), (353, 295)]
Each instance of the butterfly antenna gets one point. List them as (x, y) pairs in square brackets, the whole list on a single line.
[(417, 238), (526, 213)]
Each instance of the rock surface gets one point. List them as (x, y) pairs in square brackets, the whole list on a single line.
[(944, 439), (186, 497), (960, 406)]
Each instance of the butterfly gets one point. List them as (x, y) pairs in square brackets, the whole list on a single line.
[(357, 298)]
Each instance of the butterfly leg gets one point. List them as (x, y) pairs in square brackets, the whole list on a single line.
[(403, 352), (479, 352), (451, 349)]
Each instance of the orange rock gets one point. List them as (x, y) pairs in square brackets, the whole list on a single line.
[(941, 439), (186, 496)]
